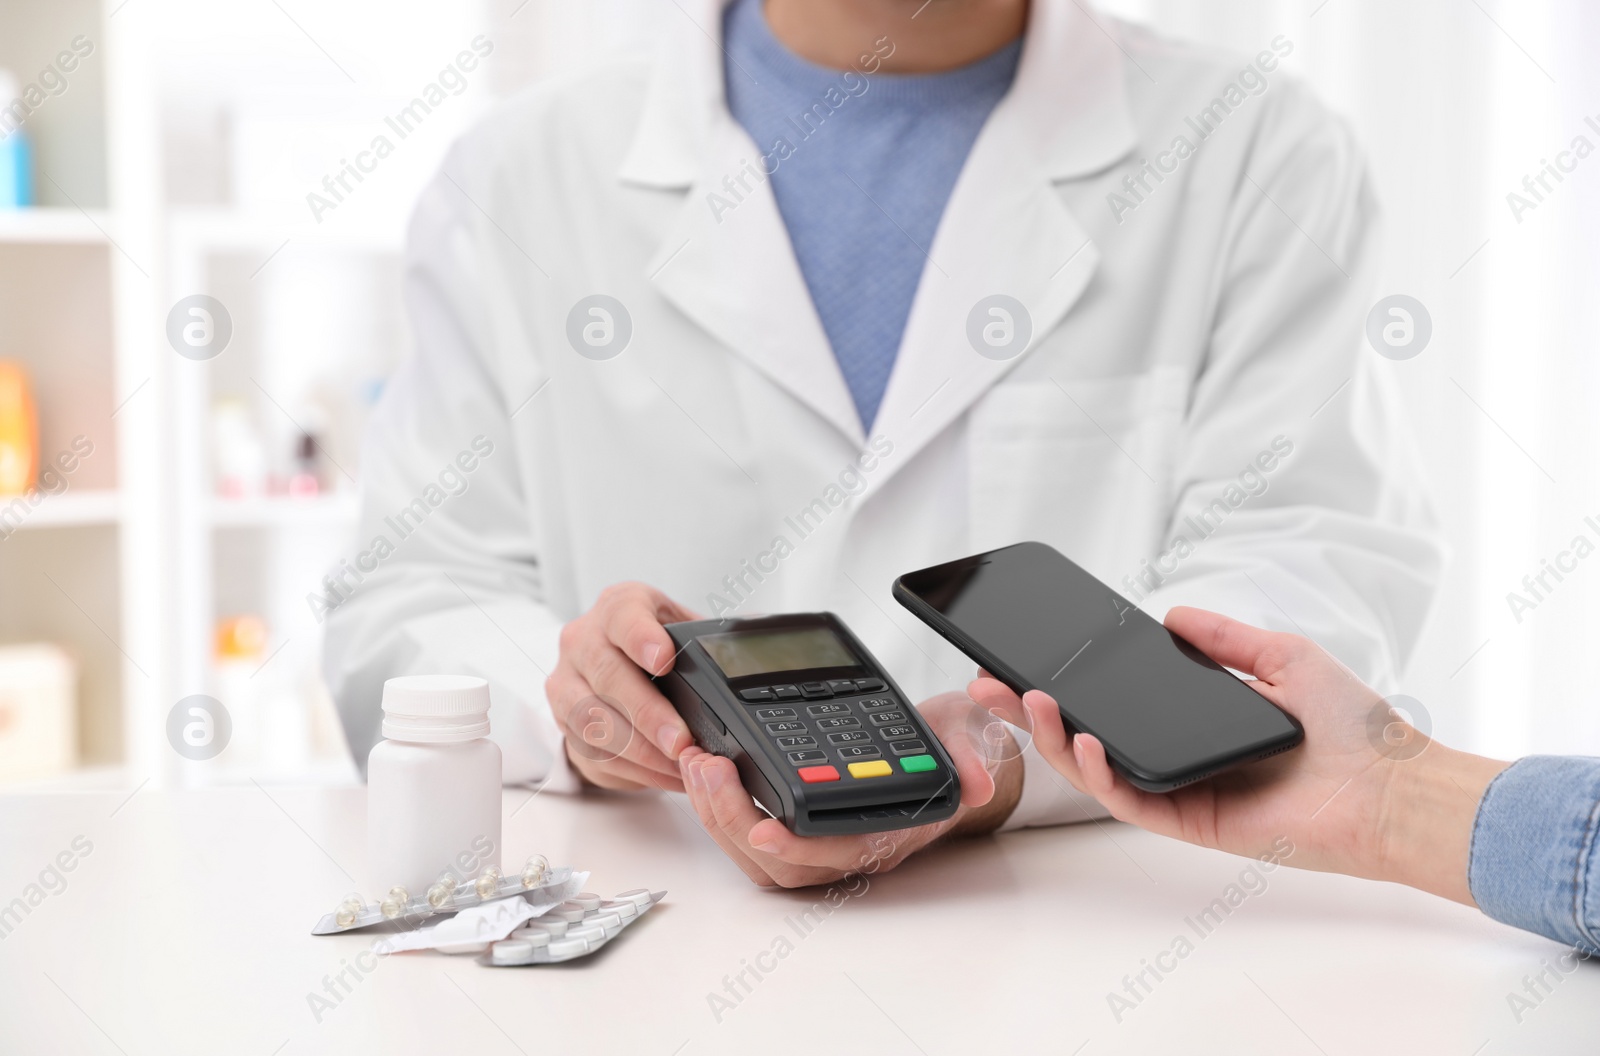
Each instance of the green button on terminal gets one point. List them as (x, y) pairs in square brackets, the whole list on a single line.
[(916, 764)]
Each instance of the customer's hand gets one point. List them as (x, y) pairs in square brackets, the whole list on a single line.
[(987, 761), (1366, 794), (621, 733)]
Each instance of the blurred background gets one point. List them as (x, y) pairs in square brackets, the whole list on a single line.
[(165, 519)]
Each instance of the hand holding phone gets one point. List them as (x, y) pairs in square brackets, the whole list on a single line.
[(1368, 794), (1166, 714)]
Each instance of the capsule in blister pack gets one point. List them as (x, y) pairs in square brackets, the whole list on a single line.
[(573, 929), (448, 895)]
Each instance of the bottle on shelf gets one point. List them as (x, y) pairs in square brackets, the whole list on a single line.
[(240, 457), (16, 150), (38, 711), (304, 481), (19, 431), (238, 649)]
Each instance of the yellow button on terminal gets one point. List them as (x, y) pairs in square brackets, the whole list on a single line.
[(876, 768)]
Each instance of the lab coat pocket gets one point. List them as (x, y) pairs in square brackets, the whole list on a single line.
[(1083, 464)]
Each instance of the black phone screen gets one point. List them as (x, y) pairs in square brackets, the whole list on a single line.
[(1166, 713)]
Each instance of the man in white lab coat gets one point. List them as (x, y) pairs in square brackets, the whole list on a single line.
[(1133, 332)]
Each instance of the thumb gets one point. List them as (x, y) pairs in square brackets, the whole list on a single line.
[(972, 768), (1230, 643)]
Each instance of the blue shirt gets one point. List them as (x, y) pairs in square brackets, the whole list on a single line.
[(1535, 863), (870, 162)]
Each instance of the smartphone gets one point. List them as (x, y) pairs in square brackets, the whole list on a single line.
[(1167, 714)]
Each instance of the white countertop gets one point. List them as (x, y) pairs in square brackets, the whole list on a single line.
[(186, 930)]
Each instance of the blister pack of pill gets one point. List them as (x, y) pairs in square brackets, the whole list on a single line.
[(575, 928), (538, 880)]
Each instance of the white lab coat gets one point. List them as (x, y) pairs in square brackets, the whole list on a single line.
[(1169, 351)]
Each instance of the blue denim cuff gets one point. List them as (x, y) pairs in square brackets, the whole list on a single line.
[(1533, 862)]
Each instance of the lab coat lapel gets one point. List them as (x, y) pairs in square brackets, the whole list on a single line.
[(1006, 232), (726, 260)]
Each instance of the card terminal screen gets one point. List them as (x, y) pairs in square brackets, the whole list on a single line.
[(769, 652)]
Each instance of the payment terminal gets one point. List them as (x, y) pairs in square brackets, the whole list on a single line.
[(821, 736)]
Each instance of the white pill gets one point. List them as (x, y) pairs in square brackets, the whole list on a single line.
[(465, 947), (534, 936), (554, 927), (509, 951), (565, 947), (603, 919), (586, 899), (586, 932), (569, 911), (638, 896), (625, 910), (612, 930)]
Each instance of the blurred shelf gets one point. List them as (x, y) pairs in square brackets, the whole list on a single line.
[(315, 771), (106, 778), (51, 226), (70, 509), (337, 509), (217, 230), (236, 230), (127, 784)]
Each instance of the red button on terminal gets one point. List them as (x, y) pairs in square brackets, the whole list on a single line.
[(812, 774)]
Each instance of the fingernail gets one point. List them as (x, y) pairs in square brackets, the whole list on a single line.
[(651, 651), (711, 776), (1077, 750), (667, 738), (692, 770), (768, 846)]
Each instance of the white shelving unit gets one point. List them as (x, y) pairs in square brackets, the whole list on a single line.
[(261, 554), (79, 281), (317, 327), (177, 162)]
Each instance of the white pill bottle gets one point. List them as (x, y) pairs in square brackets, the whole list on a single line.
[(433, 784)]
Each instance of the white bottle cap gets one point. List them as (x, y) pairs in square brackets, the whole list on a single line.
[(435, 709)]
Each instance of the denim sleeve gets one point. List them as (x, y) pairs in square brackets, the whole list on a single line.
[(1534, 862)]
